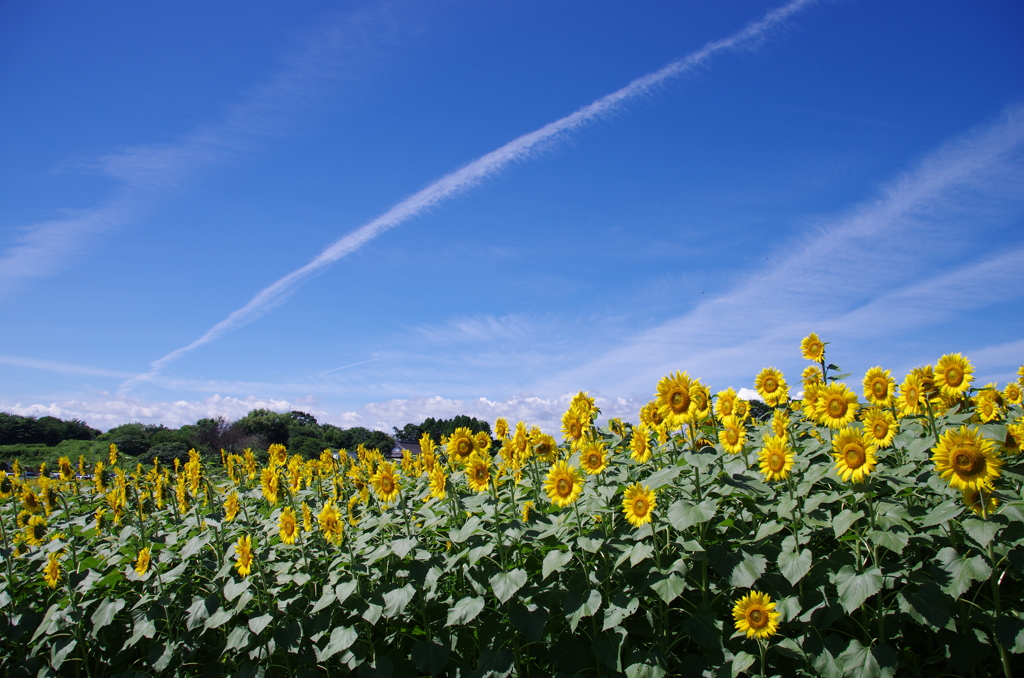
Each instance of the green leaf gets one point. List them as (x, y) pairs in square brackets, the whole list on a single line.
[(704, 628), (401, 547), (480, 552), (396, 600), (60, 650), (233, 588), (344, 590), (554, 561), (942, 513), (748, 571), (325, 600), (529, 621), (257, 624), (460, 535), (465, 611), (505, 584), (872, 661), (844, 520), (143, 628), (854, 588), (795, 565), (662, 477), (895, 539), (669, 588), (768, 529), (237, 639), (929, 606), (578, 604), (218, 618), (372, 613), (981, 531), (682, 514), (194, 545), (641, 551), (961, 570), (742, 661), (644, 670), (341, 639), (105, 613), (618, 609), (430, 657)]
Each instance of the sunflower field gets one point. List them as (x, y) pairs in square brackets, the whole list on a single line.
[(875, 532)]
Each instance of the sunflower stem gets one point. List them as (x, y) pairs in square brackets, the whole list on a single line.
[(998, 602)]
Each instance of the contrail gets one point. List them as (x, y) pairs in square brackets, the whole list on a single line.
[(468, 176), (345, 367)]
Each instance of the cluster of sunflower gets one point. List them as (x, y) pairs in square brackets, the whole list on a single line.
[(321, 505)]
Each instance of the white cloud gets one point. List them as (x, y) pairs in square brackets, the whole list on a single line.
[(470, 175), (893, 266)]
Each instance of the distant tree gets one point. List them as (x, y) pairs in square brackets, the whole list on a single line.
[(130, 439), (271, 427), (410, 433), (760, 411)]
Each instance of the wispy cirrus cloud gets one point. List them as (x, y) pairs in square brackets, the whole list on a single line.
[(891, 267), (472, 174), (145, 172)]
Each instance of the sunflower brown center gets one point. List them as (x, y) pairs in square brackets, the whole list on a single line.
[(679, 401), (967, 461), (563, 486), (640, 507), (756, 617), (732, 436), (837, 407), (464, 446), (880, 429), (879, 388), (776, 461), (854, 456), (770, 385), (954, 376), (387, 485)]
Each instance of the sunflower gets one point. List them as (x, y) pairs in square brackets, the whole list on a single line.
[(51, 571), (776, 458), (461, 444), (101, 519), (500, 428), (287, 526), (911, 396), (733, 435), (725, 403), (243, 555), (478, 473), (879, 387), (772, 386), (142, 562), (986, 403), (742, 408), (231, 506), (836, 405), (35, 531), (269, 484), (880, 426), (385, 482), (1012, 393), (113, 454), (21, 520), (563, 484), (482, 441), (965, 459), (755, 615), (67, 471), (973, 500), (638, 503), (640, 443), (585, 405), (574, 424), (594, 458), (330, 522), (277, 455), (953, 375), (307, 517), (650, 415), (30, 501), (527, 507), (438, 482), (544, 445), (854, 454), (812, 348), (811, 376), (673, 398), (1014, 437), (6, 485), (780, 422)]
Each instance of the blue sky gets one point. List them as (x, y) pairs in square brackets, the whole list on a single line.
[(382, 211)]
